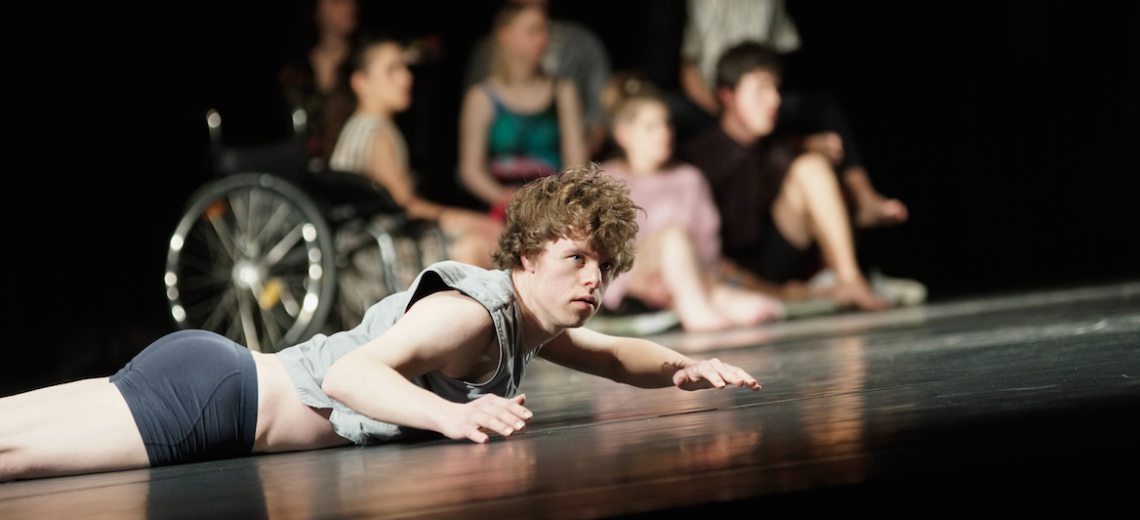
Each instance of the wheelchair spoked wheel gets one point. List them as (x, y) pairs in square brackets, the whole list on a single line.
[(252, 259)]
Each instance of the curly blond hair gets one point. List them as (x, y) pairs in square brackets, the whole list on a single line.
[(579, 203)]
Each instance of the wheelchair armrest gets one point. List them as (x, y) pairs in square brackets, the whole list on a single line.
[(348, 195)]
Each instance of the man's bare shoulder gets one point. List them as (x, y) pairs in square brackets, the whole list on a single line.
[(451, 309)]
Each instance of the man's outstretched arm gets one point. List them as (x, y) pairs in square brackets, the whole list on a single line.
[(374, 379), (640, 362)]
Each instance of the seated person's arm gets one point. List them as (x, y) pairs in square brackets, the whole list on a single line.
[(872, 208), (639, 362), (696, 89), (374, 379), (385, 167), (570, 125), (474, 123)]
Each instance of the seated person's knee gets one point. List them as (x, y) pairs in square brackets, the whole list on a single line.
[(811, 166)]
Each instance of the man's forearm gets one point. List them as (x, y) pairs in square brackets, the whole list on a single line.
[(358, 384), (645, 364)]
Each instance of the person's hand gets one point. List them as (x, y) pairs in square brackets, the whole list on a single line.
[(711, 373), (491, 412), (829, 144)]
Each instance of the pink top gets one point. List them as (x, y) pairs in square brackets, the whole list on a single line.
[(679, 195)]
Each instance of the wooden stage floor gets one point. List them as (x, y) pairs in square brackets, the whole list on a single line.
[(1028, 400)]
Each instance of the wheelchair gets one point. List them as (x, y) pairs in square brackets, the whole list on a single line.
[(273, 250)]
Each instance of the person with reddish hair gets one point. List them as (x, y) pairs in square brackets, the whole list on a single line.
[(447, 355)]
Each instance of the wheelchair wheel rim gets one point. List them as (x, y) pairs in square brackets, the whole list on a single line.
[(251, 259)]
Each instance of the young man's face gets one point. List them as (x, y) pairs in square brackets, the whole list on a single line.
[(754, 102), (567, 282)]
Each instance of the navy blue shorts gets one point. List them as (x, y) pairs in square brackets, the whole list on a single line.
[(193, 395)]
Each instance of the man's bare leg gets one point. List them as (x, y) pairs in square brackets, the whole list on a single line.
[(49, 392), (810, 209), (82, 431)]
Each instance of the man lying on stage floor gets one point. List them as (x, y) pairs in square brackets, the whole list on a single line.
[(446, 355)]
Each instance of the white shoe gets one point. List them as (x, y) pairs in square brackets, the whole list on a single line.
[(903, 292), (823, 279)]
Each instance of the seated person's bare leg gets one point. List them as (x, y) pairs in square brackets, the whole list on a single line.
[(810, 209), (668, 258), (474, 238), (470, 249), (744, 307), (83, 431)]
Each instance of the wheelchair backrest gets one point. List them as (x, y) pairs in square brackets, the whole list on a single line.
[(285, 158)]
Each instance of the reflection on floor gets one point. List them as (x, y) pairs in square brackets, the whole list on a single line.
[(1018, 397)]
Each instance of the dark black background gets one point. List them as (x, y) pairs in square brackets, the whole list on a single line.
[(1010, 128)]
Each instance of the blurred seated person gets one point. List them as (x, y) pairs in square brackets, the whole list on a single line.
[(815, 117), (316, 81), (574, 53), (678, 243), (520, 124), (779, 204), (372, 145)]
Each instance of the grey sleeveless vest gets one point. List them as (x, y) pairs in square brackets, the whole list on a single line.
[(307, 363)]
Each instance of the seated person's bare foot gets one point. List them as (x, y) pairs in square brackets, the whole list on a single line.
[(858, 295), (880, 211), (700, 318), (746, 308), (795, 290)]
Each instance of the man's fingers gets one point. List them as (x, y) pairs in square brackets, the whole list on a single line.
[(517, 406), (749, 381), (727, 373), (477, 436), (708, 371), (510, 410), (493, 423), (510, 418), (738, 374), (712, 373), (520, 411)]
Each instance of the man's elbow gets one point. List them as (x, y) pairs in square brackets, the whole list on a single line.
[(334, 385)]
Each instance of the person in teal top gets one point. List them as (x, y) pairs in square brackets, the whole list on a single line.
[(522, 146), (520, 124)]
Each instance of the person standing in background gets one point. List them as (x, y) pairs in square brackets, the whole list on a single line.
[(315, 83)]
